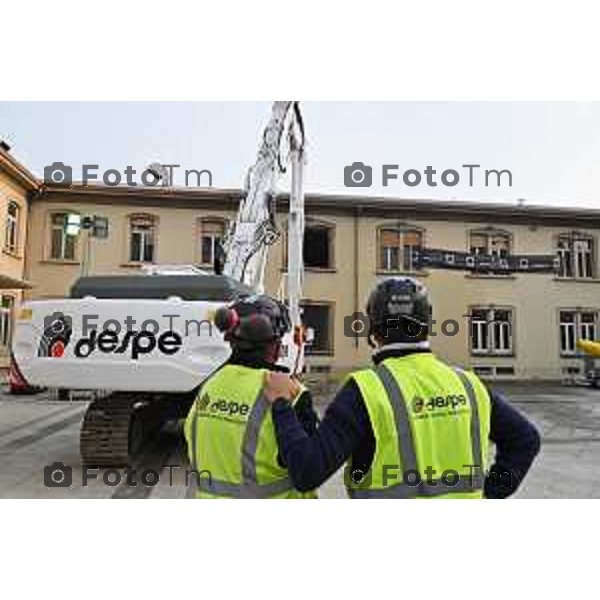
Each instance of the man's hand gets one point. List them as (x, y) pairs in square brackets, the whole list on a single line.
[(281, 385)]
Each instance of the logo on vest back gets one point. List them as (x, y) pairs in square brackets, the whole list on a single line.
[(221, 408), (203, 401), (451, 402)]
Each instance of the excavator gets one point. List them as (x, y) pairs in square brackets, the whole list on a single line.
[(143, 343)]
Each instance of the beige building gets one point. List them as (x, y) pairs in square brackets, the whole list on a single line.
[(504, 326), (16, 186)]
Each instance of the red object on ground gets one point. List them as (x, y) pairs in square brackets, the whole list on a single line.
[(16, 382)]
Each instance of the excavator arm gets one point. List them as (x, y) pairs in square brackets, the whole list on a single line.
[(245, 249), (246, 245)]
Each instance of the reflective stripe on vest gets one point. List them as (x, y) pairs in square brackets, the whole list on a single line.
[(465, 484), (250, 488)]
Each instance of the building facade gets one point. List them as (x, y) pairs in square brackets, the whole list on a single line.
[(515, 326), (503, 326), (16, 186)]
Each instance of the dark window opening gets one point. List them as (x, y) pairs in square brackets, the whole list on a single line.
[(317, 247), (211, 239), (318, 318), (505, 370)]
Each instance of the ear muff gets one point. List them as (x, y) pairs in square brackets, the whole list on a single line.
[(226, 319)]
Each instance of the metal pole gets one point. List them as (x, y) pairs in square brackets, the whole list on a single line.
[(295, 265), (85, 252)]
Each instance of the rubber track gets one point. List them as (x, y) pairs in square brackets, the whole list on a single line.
[(104, 437)]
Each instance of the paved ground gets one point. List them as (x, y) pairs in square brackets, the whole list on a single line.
[(36, 431)]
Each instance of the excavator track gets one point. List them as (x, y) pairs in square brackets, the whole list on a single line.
[(114, 428)]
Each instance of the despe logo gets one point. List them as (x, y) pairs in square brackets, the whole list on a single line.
[(203, 402), (137, 342), (221, 407), (58, 331), (452, 401)]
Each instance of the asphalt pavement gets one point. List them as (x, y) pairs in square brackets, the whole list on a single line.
[(40, 430)]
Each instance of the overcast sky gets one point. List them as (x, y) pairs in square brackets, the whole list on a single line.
[(552, 149)]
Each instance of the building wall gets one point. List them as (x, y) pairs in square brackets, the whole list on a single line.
[(175, 242), (535, 299), (11, 261)]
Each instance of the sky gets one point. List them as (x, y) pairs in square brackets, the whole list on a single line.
[(552, 149)]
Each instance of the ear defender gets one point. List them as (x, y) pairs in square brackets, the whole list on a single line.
[(226, 320), (257, 320)]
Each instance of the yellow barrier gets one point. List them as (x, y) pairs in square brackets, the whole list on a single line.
[(590, 348)]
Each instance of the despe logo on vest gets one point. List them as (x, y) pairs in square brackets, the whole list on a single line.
[(451, 401), (220, 407)]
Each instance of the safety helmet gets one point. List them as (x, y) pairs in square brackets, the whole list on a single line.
[(399, 310), (252, 321)]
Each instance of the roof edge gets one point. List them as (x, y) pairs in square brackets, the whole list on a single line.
[(340, 202), (14, 168)]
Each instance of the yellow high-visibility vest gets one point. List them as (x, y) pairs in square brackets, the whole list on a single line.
[(231, 439), (431, 424)]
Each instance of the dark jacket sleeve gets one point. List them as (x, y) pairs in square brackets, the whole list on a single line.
[(517, 443), (312, 459), (305, 415), (312, 455)]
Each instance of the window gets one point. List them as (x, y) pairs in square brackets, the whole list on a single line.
[(491, 331), (318, 318), (396, 246), (11, 239), (318, 246), (211, 233), (6, 320), (575, 325), (483, 370), (587, 326), (491, 243), (576, 256), (141, 241), (567, 332), (62, 245), (508, 370)]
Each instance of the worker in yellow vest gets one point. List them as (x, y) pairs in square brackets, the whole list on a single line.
[(410, 426), (229, 429)]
